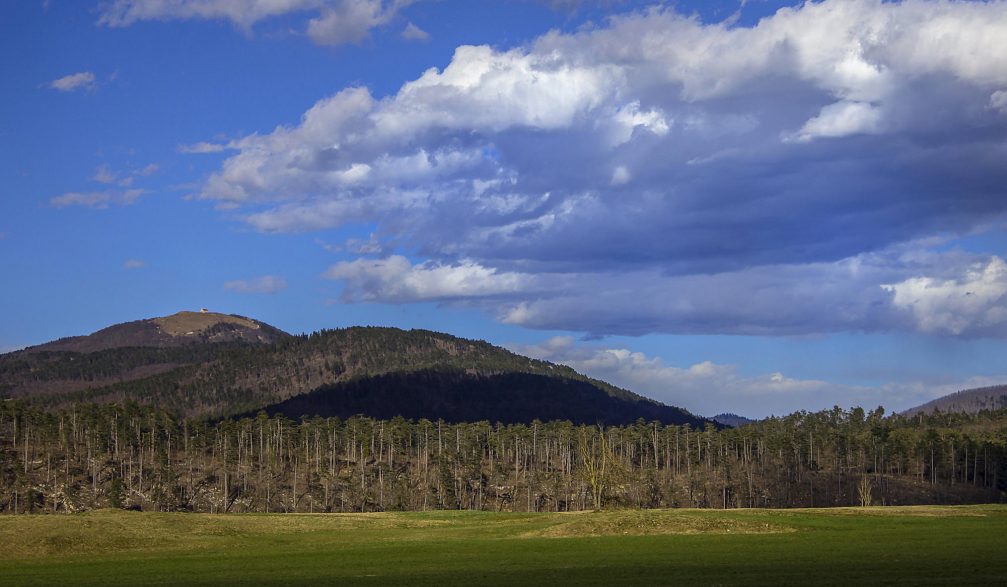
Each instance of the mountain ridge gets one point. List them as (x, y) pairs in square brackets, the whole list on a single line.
[(182, 328), (231, 367), (968, 401)]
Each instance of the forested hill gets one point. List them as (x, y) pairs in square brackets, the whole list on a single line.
[(732, 420), (969, 401), (381, 372)]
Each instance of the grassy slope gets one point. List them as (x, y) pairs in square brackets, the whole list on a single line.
[(921, 545)]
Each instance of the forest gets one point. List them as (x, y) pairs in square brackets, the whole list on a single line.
[(137, 457)]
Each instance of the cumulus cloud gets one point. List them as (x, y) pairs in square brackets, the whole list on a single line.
[(266, 284), (998, 101), (97, 200), (330, 22), (964, 295), (396, 279), (842, 119), (350, 21), (687, 177), (83, 80), (133, 264), (975, 302), (850, 295)]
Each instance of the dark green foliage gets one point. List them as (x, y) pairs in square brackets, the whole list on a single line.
[(115, 493), (457, 396)]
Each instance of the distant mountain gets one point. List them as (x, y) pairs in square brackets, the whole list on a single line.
[(732, 420), (969, 401), (205, 364)]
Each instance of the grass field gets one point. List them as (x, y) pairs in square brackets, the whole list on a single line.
[(912, 545)]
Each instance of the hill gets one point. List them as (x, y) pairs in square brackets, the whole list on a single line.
[(968, 401), (215, 365), (732, 420), (181, 329)]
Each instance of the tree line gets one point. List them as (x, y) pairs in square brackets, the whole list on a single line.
[(139, 457)]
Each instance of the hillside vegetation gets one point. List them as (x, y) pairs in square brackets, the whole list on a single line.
[(381, 372), (969, 401)]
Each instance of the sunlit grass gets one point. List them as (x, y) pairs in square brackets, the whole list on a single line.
[(911, 545)]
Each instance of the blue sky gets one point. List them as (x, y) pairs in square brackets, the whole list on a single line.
[(755, 207)]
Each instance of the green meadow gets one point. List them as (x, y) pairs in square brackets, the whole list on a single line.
[(853, 546)]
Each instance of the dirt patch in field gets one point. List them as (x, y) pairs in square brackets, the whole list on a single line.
[(184, 323), (652, 522), (115, 531), (926, 511)]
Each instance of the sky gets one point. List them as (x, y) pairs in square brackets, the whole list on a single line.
[(754, 207)]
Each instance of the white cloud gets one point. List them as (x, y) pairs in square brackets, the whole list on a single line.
[(242, 13), (621, 175), (350, 21), (631, 76), (850, 295), (710, 388), (975, 302), (998, 101), (486, 90), (331, 22), (618, 157), (706, 388), (842, 119), (266, 284), (395, 279), (372, 246), (105, 175), (86, 199), (133, 264), (97, 200), (201, 148), (414, 33), (629, 118), (83, 80)]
